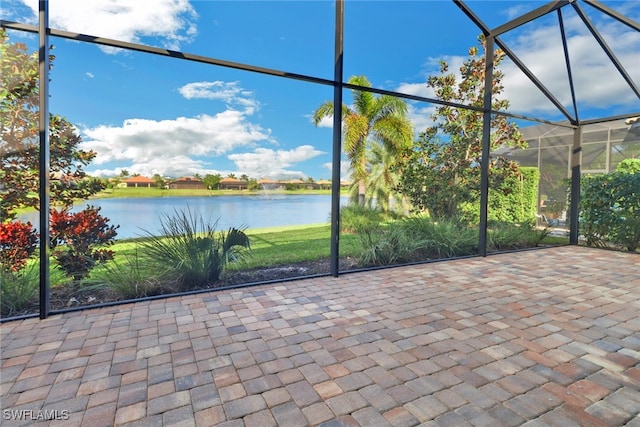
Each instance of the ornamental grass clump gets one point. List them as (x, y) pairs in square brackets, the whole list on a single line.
[(130, 276), (190, 251), (415, 239), (18, 289), (506, 236)]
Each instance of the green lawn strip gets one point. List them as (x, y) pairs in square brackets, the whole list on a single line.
[(290, 245), (555, 240), (275, 245)]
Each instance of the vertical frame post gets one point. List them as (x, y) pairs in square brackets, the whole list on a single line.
[(486, 144), (43, 133), (576, 164), (337, 139)]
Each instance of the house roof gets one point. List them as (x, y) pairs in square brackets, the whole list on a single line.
[(229, 180), (139, 180), (187, 179)]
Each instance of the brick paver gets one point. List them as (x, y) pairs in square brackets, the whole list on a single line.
[(539, 338)]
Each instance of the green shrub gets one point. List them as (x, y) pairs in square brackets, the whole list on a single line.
[(507, 236), (79, 240), (18, 241), (629, 166), (419, 238), (610, 210), (442, 239), (416, 239), (129, 277), (513, 200), (18, 289), (191, 251), (355, 218), (383, 246)]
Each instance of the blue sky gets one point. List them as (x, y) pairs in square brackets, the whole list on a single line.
[(149, 114)]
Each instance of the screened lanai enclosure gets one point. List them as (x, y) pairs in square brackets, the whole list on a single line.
[(156, 151), (549, 149)]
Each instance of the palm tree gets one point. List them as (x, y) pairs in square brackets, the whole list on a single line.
[(373, 118), (382, 178)]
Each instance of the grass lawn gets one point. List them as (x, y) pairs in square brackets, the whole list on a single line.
[(294, 244), (278, 245), (291, 244)]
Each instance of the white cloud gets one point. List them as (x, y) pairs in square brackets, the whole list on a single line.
[(229, 92), (539, 47), (416, 89), (176, 143), (420, 116), (173, 21), (597, 83), (325, 122), (517, 10), (345, 169), (90, 75), (178, 166), (265, 162)]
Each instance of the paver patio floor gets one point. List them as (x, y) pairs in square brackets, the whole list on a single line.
[(538, 338)]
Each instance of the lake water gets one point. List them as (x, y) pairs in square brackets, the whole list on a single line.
[(257, 211)]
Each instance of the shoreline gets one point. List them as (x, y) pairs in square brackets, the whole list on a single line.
[(149, 193), (127, 193)]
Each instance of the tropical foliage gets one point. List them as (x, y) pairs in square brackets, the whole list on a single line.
[(610, 210), (380, 119), (419, 238), (130, 276), (79, 240), (191, 251), (442, 172), (358, 219), (18, 289), (512, 200), (18, 241), (629, 166)]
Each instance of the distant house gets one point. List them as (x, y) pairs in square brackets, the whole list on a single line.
[(187, 183), (139, 181), (296, 183), (270, 184), (324, 184), (232, 184)]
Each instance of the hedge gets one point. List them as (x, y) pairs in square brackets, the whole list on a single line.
[(515, 200)]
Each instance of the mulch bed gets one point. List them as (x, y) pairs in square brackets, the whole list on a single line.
[(65, 297)]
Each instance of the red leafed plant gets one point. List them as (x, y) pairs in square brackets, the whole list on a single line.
[(78, 240), (18, 241)]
